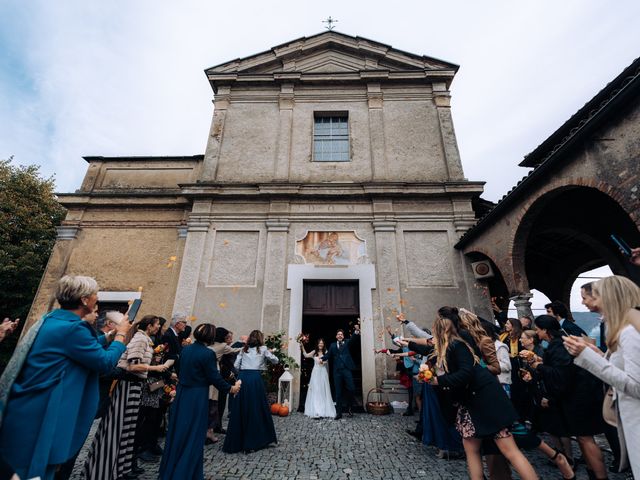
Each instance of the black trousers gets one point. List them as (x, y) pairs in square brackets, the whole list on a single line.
[(343, 377), (148, 428)]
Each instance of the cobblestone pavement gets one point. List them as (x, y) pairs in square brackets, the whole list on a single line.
[(364, 447)]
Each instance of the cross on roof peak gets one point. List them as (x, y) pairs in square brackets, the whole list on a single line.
[(330, 23)]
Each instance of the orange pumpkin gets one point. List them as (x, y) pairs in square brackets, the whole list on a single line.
[(283, 411), (275, 408)]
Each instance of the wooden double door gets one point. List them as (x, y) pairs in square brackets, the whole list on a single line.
[(327, 306)]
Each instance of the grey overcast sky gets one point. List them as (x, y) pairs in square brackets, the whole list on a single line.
[(125, 77)]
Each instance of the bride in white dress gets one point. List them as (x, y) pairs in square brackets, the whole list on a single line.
[(319, 401)]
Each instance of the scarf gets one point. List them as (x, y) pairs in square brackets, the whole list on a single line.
[(14, 366)]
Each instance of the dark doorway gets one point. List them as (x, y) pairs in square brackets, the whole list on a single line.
[(329, 305)]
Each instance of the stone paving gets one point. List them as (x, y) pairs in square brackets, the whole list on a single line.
[(364, 447)]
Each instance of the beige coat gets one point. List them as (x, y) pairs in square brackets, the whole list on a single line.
[(622, 372), (221, 348)]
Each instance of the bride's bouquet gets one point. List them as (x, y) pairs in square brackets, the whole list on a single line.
[(302, 338)]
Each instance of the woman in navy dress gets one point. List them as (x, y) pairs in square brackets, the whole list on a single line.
[(250, 424), (184, 446)]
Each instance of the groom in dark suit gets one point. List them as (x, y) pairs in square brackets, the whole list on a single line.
[(342, 365)]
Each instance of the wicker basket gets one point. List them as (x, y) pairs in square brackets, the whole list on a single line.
[(378, 402)]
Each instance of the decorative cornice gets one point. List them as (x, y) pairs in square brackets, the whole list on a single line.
[(198, 225), (384, 225), (67, 232), (331, 189), (277, 225), (287, 54)]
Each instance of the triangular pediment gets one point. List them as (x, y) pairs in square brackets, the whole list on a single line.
[(330, 52)]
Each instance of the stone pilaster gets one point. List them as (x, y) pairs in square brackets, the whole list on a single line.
[(44, 299), (274, 275), (197, 230), (523, 304), (377, 149), (442, 100), (285, 125), (387, 268), (212, 153)]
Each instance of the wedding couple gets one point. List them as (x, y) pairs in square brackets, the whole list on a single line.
[(319, 402)]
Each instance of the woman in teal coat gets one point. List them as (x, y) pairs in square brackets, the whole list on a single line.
[(49, 391)]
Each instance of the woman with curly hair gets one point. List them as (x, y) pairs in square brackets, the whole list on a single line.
[(473, 388)]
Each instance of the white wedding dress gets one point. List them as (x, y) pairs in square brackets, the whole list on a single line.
[(319, 402)]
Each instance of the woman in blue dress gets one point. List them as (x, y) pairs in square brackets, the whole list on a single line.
[(436, 431), (184, 446), (250, 423)]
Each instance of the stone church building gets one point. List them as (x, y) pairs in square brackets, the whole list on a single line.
[(331, 189)]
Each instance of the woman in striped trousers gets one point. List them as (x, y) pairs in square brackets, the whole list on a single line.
[(112, 454)]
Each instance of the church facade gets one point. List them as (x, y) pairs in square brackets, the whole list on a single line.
[(331, 190)]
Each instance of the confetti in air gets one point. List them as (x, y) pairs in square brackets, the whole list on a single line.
[(192, 319), (222, 305)]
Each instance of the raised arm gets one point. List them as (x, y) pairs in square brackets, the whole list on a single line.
[(305, 354), (356, 334), (84, 348), (268, 356), (627, 380)]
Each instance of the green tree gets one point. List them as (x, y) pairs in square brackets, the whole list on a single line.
[(29, 213)]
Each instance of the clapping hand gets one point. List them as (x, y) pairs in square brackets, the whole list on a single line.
[(400, 317)]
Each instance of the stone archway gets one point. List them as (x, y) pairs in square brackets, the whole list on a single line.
[(565, 232)]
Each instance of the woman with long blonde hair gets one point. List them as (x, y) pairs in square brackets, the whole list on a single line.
[(618, 298), (470, 323), (484, 410)]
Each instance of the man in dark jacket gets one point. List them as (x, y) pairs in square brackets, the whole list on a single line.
[(342, 365), (561, 313)]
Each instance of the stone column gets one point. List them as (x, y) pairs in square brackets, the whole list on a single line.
[(44, 299), (274, 275), (442, 100), (212, 153), (283, 152), (522, 304), (376, 133), (197, 229)]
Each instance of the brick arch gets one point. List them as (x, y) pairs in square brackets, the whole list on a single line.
[(529, 210)]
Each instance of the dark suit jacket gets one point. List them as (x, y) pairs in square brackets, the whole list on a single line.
[(340, 357), (572, 329), (174, 345)]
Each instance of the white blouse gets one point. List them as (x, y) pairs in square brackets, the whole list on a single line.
[(255, 359)]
